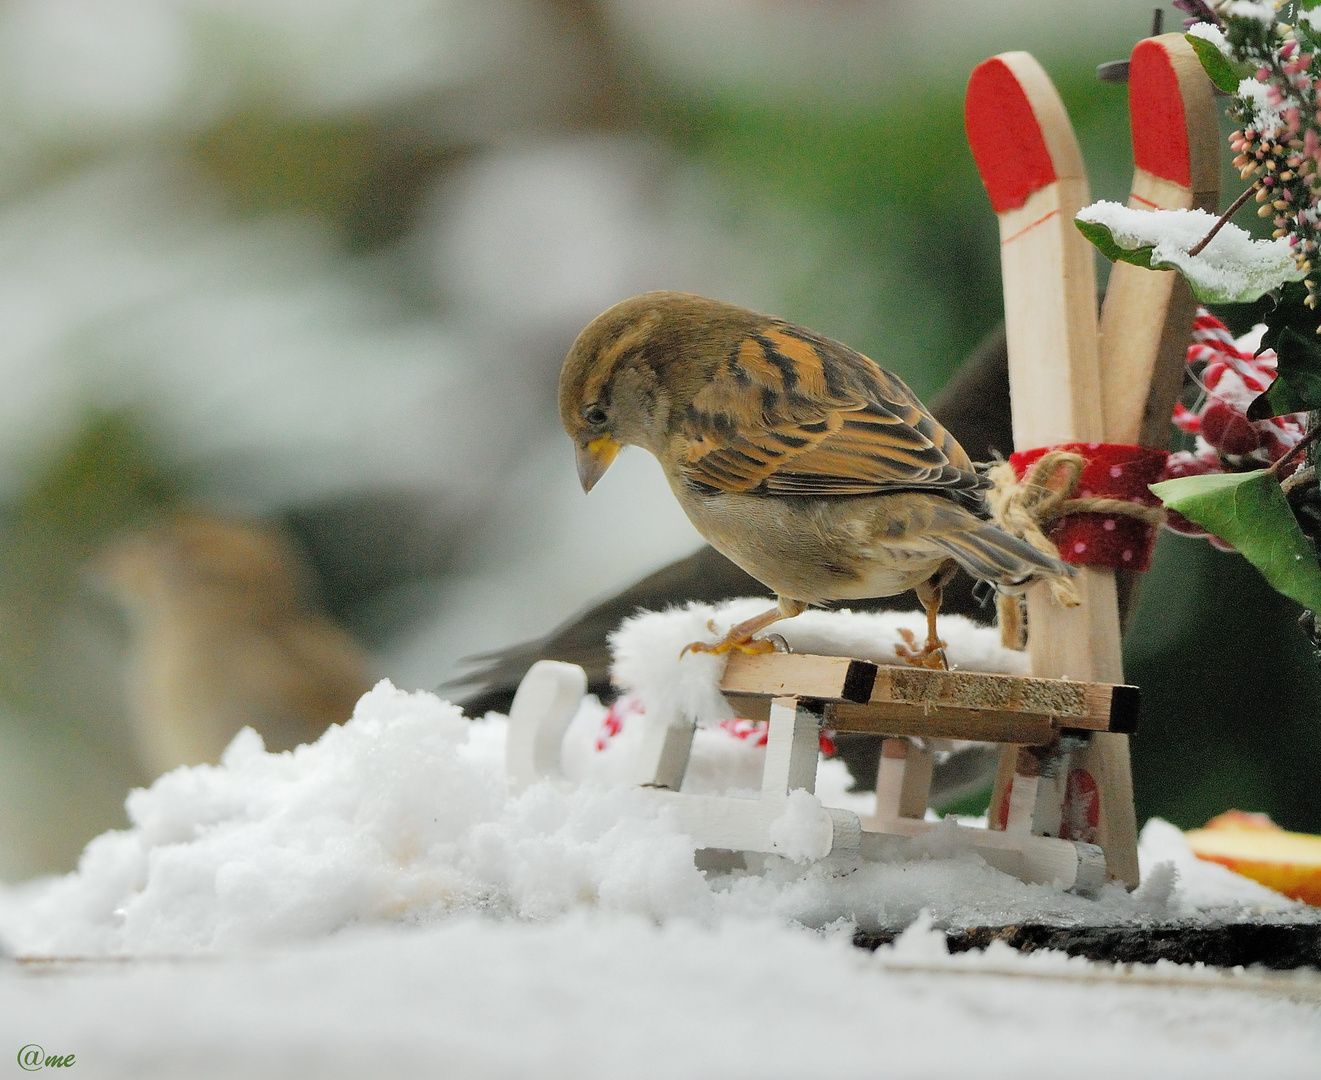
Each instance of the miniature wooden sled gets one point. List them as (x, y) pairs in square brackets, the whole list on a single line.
[(799, 694)]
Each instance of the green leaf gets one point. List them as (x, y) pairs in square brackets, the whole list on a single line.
[(1100, 236), (1221, 70), (1250, 511), (1303, 31), (1297, 385), (1287, 310)]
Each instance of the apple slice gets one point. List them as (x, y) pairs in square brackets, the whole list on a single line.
[(1254, 846)]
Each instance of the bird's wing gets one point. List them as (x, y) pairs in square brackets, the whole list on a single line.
[(793, 413)]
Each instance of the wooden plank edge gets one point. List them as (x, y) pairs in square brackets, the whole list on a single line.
[(804, 675)]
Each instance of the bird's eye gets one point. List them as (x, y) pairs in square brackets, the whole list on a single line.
[(595, 416)]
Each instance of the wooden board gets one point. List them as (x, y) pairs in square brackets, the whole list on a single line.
[(944, 723), (803, 675), (947, 722), (1276, 945), (917, 702), (1033, 171), (1090, 706)]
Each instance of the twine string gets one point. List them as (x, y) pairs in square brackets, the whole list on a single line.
[(1030, 507)]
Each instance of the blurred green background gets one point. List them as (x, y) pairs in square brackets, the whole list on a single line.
[(317, 264)]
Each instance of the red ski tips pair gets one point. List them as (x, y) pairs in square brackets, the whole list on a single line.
[(1010, 148)]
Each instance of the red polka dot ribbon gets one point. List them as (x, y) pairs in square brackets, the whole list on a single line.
[(1111, 471)]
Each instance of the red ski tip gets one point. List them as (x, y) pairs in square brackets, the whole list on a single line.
[(1156, 115), (1005, 136)]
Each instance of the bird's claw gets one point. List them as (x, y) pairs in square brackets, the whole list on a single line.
[(930, 656), (751, 646)]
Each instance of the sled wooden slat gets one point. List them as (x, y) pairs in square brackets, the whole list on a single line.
[(891, 700), (802, 675)]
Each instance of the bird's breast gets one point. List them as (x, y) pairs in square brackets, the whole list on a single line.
[(815, 550)]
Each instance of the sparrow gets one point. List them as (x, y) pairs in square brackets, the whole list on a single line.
[(223, 634), (973, 406), (801, 460)]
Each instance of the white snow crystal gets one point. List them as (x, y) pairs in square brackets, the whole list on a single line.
[(1266, 114), (796, 833), (1261, 10), (1210, 32), (1232, 267)]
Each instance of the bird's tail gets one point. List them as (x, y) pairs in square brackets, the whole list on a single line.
[(991, 554)]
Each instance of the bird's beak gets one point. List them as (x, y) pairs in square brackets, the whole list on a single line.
[(594, 459)]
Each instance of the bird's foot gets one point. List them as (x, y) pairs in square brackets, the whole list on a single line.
[(751, 646), (931, 655)]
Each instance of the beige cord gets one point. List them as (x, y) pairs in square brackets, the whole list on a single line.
[(1029, 507)]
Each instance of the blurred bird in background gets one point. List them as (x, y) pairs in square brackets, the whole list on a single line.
[(138, 633), (224, 635)]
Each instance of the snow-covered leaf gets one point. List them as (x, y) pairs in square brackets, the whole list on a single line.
[(1297, 385), (1224, 72), (1103, 238), (1232, 268), (1250, 511)]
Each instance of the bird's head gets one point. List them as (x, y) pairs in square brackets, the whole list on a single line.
[(635, 368), (610, 387)]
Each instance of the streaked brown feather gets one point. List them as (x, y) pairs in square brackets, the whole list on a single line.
[(794, 413)]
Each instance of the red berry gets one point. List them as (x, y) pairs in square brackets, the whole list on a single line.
[(1228, 430)]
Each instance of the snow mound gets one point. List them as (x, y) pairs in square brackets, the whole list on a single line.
[(402, 816)]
